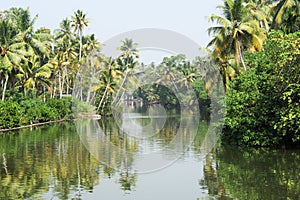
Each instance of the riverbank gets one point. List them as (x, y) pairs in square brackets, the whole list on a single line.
[(49, 122), (31, 125)]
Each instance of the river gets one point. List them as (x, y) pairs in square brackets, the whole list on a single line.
[(94, 159)]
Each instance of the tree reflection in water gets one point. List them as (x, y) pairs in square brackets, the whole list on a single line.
[(239, 173)]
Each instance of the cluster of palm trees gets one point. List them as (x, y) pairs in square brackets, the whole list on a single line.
[(244, 26), (38, 62), (34, 62)]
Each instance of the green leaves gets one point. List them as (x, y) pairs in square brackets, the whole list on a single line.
[(29, 111), (263, 103)]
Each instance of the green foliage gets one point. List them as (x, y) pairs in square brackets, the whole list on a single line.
[(9, 114), (263, 103), (29, 111)]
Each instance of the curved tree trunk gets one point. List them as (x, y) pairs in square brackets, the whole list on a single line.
[(125, 77), (104, 95)]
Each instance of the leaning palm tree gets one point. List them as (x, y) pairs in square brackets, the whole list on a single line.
[(127, 61), (108, 80), (234, 32), (79, 22)]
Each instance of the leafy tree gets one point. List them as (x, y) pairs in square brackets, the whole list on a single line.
[(263, 104)]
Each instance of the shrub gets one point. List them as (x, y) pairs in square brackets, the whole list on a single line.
[(263, 102)]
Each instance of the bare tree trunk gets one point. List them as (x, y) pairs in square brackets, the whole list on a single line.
[(59, 84), (80, 44), (236, 53), (67, 80), (54, 88), (241, 55), (4, 87), (125, 77), (62, 80)]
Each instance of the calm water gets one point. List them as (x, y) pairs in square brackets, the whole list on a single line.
[(70, 161)]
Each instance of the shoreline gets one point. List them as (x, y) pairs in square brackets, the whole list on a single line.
[(33, 125), (49, 122)]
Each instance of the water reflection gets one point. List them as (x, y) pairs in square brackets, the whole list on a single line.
[(51, 162), (46, 158), (236, 173), (139, 142)]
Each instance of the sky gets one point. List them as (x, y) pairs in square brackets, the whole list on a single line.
[(113, 17)]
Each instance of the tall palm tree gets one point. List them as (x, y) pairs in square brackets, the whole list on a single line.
[(108, 80), (79, 22), (282, 9), (65, 56), (234, 32), (64, 31), (127, 61), (11, 51)]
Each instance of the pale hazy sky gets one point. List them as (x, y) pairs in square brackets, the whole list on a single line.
[(112, 17)]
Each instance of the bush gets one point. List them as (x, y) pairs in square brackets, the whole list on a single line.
[(29, 111), (263, 102), (10, 114)]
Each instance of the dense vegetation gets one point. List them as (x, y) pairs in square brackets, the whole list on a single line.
[(15, 113), (255, 45), (263, 104)]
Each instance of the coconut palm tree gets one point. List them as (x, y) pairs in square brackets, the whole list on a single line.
[(260, 10), (127, 61), (284, 11), (90, 45), (65, 56), (109, 78), (234, 32), (64, 31), (35, 74), (79, 22), (11, 51)]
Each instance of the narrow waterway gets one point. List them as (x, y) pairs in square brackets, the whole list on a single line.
[(76, 161)]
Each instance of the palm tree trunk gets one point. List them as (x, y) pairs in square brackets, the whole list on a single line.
[(4, 87), (241, 55), (80, 43), (67, 80), (236, 52), (59, 84), (103, 97), (125, 77)]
